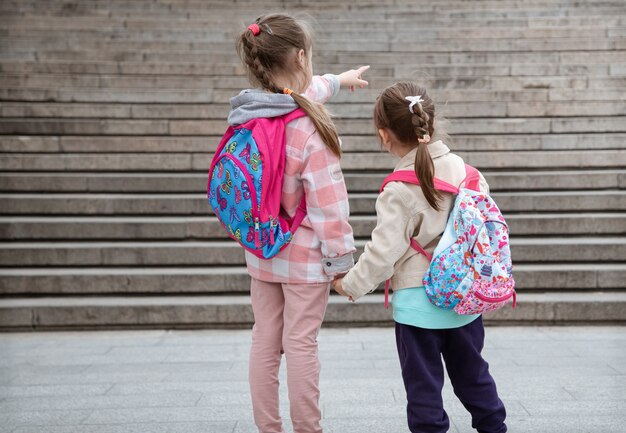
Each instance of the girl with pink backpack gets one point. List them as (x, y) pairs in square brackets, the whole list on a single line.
[(282, 144), (412, 213)]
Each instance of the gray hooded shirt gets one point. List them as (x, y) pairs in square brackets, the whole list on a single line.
[(254, 103)]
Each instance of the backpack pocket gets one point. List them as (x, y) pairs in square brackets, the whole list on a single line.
[(489, 290), (448, 277), (234, 195), (484, 296)]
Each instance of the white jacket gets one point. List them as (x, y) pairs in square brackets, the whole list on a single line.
[(402, 212)]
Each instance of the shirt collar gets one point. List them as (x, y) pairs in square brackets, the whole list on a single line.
[(436, 149)]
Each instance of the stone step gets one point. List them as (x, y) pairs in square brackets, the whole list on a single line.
[(225, 8), (155, 162), (339, 21), (452, 110), (478, 126), (363, 124), (427, 31), (445, 69), (82, 39), (502, 13), (59, 228), (70, 94), (207, 96), (350, 143), (214, 280), (322, 12), (82, 83), (397, 43), (407, 7), (356, 182), (331, 58), (139, 68), (470, 58), (438, 65), (132, 312), (91, 83), (44, 254), (360, 203), (541, 94)]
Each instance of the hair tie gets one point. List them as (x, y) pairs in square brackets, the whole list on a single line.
[(287, 91), (254, 28), (414, 100)]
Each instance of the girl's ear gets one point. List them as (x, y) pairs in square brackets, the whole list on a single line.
[(385, 137), (301, 58)]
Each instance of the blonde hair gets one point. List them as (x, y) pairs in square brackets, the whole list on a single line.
[(392, 112), (271, 51)]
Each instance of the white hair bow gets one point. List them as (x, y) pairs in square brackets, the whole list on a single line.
[(414, 100)]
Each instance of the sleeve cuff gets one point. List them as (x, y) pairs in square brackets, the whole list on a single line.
[(349, 288), (333, 81), (338, 265)]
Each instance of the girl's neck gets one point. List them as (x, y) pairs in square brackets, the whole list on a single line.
[(401, 151), (289, 82)]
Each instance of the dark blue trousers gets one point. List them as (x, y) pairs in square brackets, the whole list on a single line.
[(420, 352)]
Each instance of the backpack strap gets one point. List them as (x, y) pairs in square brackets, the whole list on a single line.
[(299, 216), (409, 176), (301, 210), (295, 114), (472, 178), (417, 247)]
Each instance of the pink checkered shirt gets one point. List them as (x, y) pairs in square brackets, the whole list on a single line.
[(323, 245)]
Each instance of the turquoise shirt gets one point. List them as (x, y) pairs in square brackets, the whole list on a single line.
[(412, 307)]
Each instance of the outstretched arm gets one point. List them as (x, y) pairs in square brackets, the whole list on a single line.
[(353, 78), (324, 87)]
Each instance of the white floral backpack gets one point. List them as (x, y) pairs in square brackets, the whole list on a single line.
[(470, 271)]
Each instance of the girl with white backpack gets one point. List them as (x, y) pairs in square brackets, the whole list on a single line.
[(412, 213)]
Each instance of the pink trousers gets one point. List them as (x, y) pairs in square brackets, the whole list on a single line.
[(287, 318)]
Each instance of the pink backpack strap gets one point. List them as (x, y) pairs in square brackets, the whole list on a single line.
[(301, 211), (417, 247), (299, 216), (295, 114), (472, 178), (387, 284), (409, 176)]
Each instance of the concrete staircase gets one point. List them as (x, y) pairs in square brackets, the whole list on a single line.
[(110, 112)]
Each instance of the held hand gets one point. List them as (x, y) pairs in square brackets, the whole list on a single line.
[(336, 285), (352, 78)]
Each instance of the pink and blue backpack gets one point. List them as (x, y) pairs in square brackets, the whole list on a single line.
[(245, 185), (470, 271)]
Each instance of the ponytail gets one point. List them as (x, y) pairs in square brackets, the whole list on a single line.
[(322, 121), (425, 171), (422, 123)]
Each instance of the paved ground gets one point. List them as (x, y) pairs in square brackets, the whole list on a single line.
[(553, 379)]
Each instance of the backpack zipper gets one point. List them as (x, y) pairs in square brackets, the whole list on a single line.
[(257, 237), (271, 230), (486, 298)]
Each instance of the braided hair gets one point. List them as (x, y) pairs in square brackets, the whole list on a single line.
[(412, 128), (271, 50)]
